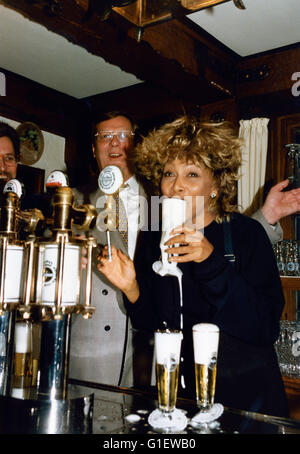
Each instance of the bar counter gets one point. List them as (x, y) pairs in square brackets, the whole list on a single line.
[(116, 410), (124, 411)]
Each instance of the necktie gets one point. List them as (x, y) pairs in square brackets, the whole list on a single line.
[(121, 218)]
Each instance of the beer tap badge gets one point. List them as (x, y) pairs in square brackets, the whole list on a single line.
[(110, 179), (57, 178), (13, 186)]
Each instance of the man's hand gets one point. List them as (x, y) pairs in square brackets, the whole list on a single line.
[(279, 204)]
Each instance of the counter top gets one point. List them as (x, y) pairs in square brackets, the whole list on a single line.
[(101, 410), (115, 407)]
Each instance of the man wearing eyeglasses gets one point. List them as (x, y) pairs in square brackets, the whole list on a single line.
[(104, 349), (113, 140), (9, 169)]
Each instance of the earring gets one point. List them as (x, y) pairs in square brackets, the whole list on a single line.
[(213, 195)]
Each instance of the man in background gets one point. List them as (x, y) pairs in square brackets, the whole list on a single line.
[(9, 152), (105, 349), (9, 158)]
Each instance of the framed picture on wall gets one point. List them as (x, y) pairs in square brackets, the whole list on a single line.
[(31, 143)]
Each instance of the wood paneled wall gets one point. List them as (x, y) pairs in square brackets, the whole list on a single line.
[(52, 111)]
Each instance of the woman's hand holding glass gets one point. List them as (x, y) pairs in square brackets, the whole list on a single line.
[(188, 244), (119, 271)]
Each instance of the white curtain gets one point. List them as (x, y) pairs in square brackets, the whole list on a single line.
[(254, 133)]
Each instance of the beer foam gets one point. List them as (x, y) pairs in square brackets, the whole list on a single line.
[(133, 418), (206, 328), (167, 345), (206, 341), (23, 339), (173, 213)]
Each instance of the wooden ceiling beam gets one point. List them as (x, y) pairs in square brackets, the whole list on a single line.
[(194, 72), (269, 72)]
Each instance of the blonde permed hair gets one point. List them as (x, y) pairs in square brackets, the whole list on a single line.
[(215, 146)]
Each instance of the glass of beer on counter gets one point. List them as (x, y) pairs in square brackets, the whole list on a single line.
[(167, 349), (167, 418), (206, 342)]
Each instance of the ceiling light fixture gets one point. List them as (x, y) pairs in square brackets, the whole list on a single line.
[(143, 13)]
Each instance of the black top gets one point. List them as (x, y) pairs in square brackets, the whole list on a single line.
[(245, 300)]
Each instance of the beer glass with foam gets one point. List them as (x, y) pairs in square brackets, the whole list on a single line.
[(173, 215), (206, 342), (167, 349)]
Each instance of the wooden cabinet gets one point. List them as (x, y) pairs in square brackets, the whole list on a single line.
[(290, 286), (285, 130), (292, 388)]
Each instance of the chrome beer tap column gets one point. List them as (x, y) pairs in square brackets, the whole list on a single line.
[(9, 294), (41, 286), (58, 287), (13, 272)]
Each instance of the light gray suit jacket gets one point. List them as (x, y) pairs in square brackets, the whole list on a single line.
[(100, 346), (274, 233)]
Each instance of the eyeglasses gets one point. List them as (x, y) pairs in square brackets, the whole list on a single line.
[(107, 136), (8, 159)]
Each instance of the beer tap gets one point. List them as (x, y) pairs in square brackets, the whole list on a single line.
[(41, 287), (59, 291), (58, 252), (110, 181), (13, 271)]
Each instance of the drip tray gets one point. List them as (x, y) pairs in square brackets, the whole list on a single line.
[(30, 415)]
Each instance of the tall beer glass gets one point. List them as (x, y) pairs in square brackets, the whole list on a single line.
[(167, 418), (206, 342), (167, 348)]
